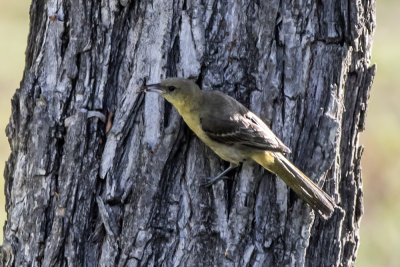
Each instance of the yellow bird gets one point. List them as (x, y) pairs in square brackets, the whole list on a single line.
[(236, 134)]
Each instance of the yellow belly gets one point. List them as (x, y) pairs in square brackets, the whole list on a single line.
[(226, 152)]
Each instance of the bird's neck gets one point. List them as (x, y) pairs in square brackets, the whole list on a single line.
[(189, 110), (187, 105)]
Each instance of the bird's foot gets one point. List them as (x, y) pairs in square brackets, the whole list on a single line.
[(209, 181)]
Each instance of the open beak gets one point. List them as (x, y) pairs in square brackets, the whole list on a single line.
[(154, 88)]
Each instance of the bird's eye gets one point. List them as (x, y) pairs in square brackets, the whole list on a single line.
[(171, 88)]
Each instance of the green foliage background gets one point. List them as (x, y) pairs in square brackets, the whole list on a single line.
[(380, 228)]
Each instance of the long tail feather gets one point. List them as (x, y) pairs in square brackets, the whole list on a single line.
[(304, 187)]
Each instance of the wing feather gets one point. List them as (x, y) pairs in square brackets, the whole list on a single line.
[(234, 124)]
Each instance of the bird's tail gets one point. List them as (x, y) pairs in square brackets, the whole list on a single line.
[(304, 187)]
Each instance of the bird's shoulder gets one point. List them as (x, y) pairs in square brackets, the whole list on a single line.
[(227, 121), (222, 104)]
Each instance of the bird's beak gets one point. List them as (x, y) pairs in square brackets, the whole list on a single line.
[(155, 88)]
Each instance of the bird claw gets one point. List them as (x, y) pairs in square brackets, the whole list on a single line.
[(209, 181)]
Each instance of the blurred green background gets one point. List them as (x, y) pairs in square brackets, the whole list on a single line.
[(380, 226), (14, 25)]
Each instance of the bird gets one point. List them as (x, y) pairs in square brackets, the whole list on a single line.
[(236, 134)]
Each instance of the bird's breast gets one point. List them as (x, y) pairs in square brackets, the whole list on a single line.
[(226, 152)]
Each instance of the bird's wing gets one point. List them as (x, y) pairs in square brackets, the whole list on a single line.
[(240, 127)]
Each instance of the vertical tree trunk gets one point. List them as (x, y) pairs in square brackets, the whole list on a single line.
[(100, 175)]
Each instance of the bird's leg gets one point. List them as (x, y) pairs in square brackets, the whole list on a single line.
[(212, 180)]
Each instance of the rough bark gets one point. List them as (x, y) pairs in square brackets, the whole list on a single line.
[(101, 176)]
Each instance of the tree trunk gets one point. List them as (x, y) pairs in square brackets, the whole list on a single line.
[(102, 176)]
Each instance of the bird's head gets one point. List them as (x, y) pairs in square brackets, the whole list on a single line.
[(177, 91)]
